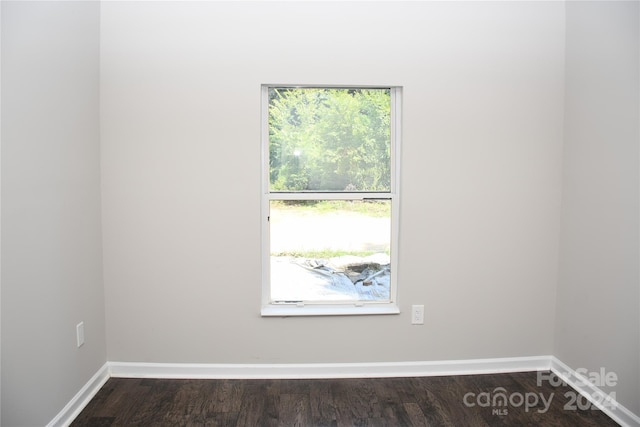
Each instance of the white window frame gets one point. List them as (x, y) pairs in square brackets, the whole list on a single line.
[(283, 309)]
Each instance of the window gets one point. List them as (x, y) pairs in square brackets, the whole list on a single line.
[(330, 199)]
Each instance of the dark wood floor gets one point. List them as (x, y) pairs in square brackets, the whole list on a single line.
[(460, 401)]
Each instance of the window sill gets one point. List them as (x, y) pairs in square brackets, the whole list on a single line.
[(287, 310)]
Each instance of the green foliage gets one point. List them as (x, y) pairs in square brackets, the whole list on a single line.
[(329, 139)]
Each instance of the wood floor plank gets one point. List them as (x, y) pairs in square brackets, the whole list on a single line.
[(419, 390), (448, 392), (415, 415), (355, 399), (252, 406), (155, 408), (228, 396), (470, 401), (295, 410), (389, 393), (322, 406)]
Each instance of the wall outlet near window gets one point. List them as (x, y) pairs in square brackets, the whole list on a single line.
[(417, 314)]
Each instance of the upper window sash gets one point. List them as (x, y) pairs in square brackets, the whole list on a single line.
[(362, 147)]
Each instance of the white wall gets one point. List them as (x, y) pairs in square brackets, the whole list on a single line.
[(484, 92), (598, 324), (51, 243), (481, 174)]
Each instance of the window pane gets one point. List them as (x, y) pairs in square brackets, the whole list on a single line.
[(334, 140), (330, 250)]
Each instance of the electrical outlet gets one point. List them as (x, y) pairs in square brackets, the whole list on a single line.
[(417, 314), (80, 333)]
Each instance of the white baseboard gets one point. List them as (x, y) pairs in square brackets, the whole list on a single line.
[(328, 370), (81, 399), (595, 395)]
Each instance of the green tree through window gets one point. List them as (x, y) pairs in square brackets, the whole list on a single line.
[(329, 139)]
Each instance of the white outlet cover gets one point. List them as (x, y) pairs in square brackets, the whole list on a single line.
[(417, 314), (80, 333)]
